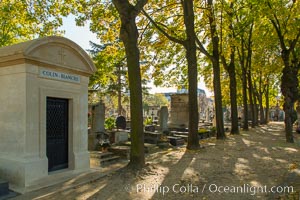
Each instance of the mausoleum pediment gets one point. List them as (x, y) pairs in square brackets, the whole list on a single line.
[(52, 51)]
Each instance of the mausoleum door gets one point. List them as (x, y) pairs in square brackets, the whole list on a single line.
[(57, 133)]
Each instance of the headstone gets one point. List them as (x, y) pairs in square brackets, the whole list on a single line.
[(43, 114), (121, 122), (163, 118), (98, 117), (121, 136), (179, 114)]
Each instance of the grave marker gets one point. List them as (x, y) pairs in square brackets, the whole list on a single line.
[(98, 117), (121, 122), (164, 115), (179, 114)]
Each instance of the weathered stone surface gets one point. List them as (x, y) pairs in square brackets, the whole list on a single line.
[(163, 118), (179, 114), (29, 73)]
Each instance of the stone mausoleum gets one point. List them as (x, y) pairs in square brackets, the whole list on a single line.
[(44, 109)]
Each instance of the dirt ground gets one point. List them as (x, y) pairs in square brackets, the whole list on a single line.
[(257, 164)]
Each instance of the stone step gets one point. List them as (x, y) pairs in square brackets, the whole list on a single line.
[(103, 161), (3, 188), (185, 137), (122, 151), (176, 141), (125, 148), (100, 154)]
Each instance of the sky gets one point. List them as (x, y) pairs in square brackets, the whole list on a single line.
[(82, 36), (78, 34)]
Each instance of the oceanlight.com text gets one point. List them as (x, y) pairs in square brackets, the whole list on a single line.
[(211, 188), (249, 189)]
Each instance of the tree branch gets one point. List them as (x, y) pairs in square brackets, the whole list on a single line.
[(140, 4), (121, 5), (163, 7), (294, 42), (201, 48), (141, 35), (162, 30), (276, 25)]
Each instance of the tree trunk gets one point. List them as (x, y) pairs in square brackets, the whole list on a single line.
[(288, 109), (218, 101), (289, 80), (233, 97), (255, 110), (248, 71), (261, 110), (216, 73), (232, 78), (129, 36), (251, 100), (250, 85), (244, 86), (245, 100), (119, 91), (191, 56), (267, 102), (190, 47), (259, 95), (289, 89), (233, 101)]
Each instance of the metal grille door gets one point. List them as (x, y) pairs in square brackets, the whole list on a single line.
[(57, 133)]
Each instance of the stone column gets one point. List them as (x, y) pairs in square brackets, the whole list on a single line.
[(163, 118)]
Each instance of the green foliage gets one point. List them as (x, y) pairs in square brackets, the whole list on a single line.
[(111, 74), (109, 53), (154, 100), (110, 123), (148, 121), (24, 20), (213, 129), (164, 61), (202, 131)]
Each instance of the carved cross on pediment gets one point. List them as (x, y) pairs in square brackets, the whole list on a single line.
[(62, 56)]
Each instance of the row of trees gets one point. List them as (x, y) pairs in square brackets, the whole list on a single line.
[(173, 42), (246, 37)]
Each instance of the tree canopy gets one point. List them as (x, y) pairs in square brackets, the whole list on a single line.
[(245, 50), (23, 20)]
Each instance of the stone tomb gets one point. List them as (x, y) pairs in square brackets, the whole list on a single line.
[(179, 111), (44, 109)]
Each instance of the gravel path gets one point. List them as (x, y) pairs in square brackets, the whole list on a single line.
[(257, 164)]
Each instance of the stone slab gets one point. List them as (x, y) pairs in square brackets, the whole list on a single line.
[(176, 141), (3, 187)]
